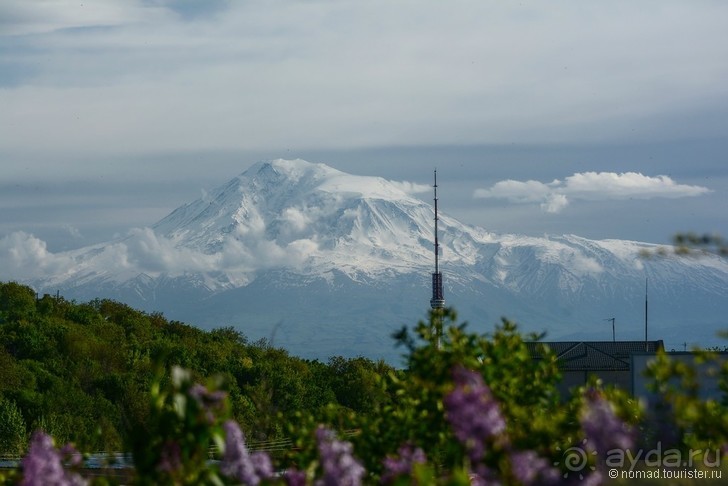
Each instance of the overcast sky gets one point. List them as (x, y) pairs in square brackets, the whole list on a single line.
[(602, 119)]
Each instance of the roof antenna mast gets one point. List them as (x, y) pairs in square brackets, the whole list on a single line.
[(614, 335), (646, 346)]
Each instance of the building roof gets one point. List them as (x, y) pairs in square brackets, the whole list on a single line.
[(595, 355)]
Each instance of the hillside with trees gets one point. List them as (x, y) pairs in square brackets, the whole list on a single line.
[(82, 372)]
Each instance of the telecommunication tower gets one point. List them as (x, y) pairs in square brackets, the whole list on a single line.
[(438, 298)]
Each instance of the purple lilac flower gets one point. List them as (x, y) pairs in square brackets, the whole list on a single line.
[(603, 429), (205, 397), (238, 463), (71, 455), (262, 465), (407, 457), (294, 477), (208, 401), (42, 466), (472, 412), (529, 468), (340, 467), (481, 475)]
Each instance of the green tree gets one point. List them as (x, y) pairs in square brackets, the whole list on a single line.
[(13, 432), (16, 301)]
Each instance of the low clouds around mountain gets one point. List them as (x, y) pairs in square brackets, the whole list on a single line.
[(25, 257)]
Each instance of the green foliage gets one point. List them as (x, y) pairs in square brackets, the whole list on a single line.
[(525, 386), (185, 422), (697, 423), (356, 383), (82, 371), (17, 302), (688, 243), (13, 435), (692, 244)]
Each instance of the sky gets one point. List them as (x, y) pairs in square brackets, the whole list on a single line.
[(601, 119)]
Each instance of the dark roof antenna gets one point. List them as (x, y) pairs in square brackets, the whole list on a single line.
[(646, 346), (614, 335)]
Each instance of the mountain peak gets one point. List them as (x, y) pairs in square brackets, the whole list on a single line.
[(287, 237), (294, 171), (310, 217), (306, 176)]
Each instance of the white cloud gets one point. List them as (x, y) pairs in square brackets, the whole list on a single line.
[(152, 253), (517, 191), (626, 185), (73, 231), (554, 203), (593, 186), (26, 257), (411, 187), (584, 265), (295, 220)]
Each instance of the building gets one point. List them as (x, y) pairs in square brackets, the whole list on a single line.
[(611, 361)]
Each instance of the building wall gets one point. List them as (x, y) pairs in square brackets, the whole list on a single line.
[(575, 378), (708, 375)]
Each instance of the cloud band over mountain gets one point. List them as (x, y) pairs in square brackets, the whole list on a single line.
[(554, 196)]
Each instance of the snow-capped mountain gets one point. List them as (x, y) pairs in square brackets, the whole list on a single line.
[(323, 262)]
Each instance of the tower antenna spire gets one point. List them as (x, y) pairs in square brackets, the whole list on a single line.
[(438, 298), (437, 244), (437, 302)]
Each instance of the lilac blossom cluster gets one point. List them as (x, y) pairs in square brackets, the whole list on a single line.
[(603, 429), (530, 468), (238, 463), (294, 477), (402, 464), (340, 468), (476, 420), (209, 402), (473, 413), (43, 465)]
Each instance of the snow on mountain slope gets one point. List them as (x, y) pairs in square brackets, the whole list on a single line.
[(312, 218), (338, 261)]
